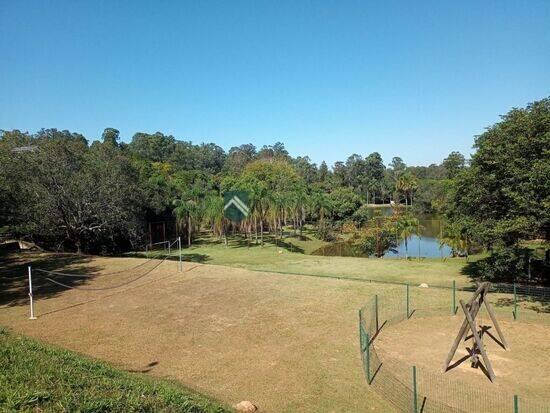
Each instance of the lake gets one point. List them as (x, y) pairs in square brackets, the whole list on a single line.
[(426, 244)]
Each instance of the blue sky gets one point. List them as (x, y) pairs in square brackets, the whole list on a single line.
[(328, 78)]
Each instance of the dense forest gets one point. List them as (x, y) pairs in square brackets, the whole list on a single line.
[(64, 192)]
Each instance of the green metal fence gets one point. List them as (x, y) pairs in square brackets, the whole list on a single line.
[(413, 389)]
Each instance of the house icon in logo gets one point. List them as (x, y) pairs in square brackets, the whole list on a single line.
[(236, 206)]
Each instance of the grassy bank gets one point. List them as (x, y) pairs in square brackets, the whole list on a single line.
[(37, 377), (292, 255)]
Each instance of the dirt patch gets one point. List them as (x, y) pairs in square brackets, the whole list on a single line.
[(425, 341), (286, 343)]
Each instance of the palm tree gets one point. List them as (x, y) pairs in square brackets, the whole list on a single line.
[(320, 204), (259, 206), (187, 211), (407, 183), (406, 227), (454, 237), (212, 214)]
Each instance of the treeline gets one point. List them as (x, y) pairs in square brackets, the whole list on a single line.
[(62, 192), (65, 193)]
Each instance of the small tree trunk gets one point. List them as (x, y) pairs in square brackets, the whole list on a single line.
[(261, 232), (189, 231), (256, 229)]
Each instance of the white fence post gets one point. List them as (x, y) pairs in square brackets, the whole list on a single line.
[(179, 247), (32, 317)]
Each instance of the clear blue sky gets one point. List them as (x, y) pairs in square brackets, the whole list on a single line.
[(409, 78)]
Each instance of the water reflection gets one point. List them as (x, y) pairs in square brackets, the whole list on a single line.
[(426, 244)]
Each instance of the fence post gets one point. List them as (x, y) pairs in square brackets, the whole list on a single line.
[(516, 404), (376, 310), (32, 317), (419, 238), (454, 298), (515, 303), (179, 248), (408, 301), (415, 395), (367, 354)]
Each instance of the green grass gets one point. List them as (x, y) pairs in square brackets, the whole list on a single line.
[(292, 256), (39, 377)]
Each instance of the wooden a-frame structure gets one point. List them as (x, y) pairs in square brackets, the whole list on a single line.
[(470, 312)]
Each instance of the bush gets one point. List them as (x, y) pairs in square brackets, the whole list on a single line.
[(325, 232), (512, 264)]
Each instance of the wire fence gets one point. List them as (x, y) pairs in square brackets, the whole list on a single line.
[(421, 389), (46, 279)]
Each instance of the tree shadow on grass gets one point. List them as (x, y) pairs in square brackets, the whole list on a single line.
[(14, 287), (240, 242), (193, 257)]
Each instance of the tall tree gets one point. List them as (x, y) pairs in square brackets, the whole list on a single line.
[(504, 196), (453, 164), (238, 157), (323, 172)]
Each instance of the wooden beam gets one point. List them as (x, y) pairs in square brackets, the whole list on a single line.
[(473, 309), (478, 342), (463, 329), (489, 308)]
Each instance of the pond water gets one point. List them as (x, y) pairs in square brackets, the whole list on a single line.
[(426, 244)]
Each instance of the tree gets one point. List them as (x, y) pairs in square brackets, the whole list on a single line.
[(356, 173), (212, 213), (188, 211), (406, 226), (504, 196), (13, 176), (374, 171), (307, 170), (274, 152), (397, 164), (344, 202), (454, 237), (238, 157), (83, 195), (110, 136), (407, 183), (339, 174), (323, 172), (156, 147), (453, 164)]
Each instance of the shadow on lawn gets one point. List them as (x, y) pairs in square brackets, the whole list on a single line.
[(193, 257), (268, 241), (535, 297), (14, 285)]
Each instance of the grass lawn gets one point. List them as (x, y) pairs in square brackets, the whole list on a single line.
[(286, 343), (293, 256), (40, 377)]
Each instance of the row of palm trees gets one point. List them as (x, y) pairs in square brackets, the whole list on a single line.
[(268, 211), (274, 210)]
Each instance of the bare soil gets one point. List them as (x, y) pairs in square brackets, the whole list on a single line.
[(522, 369)]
